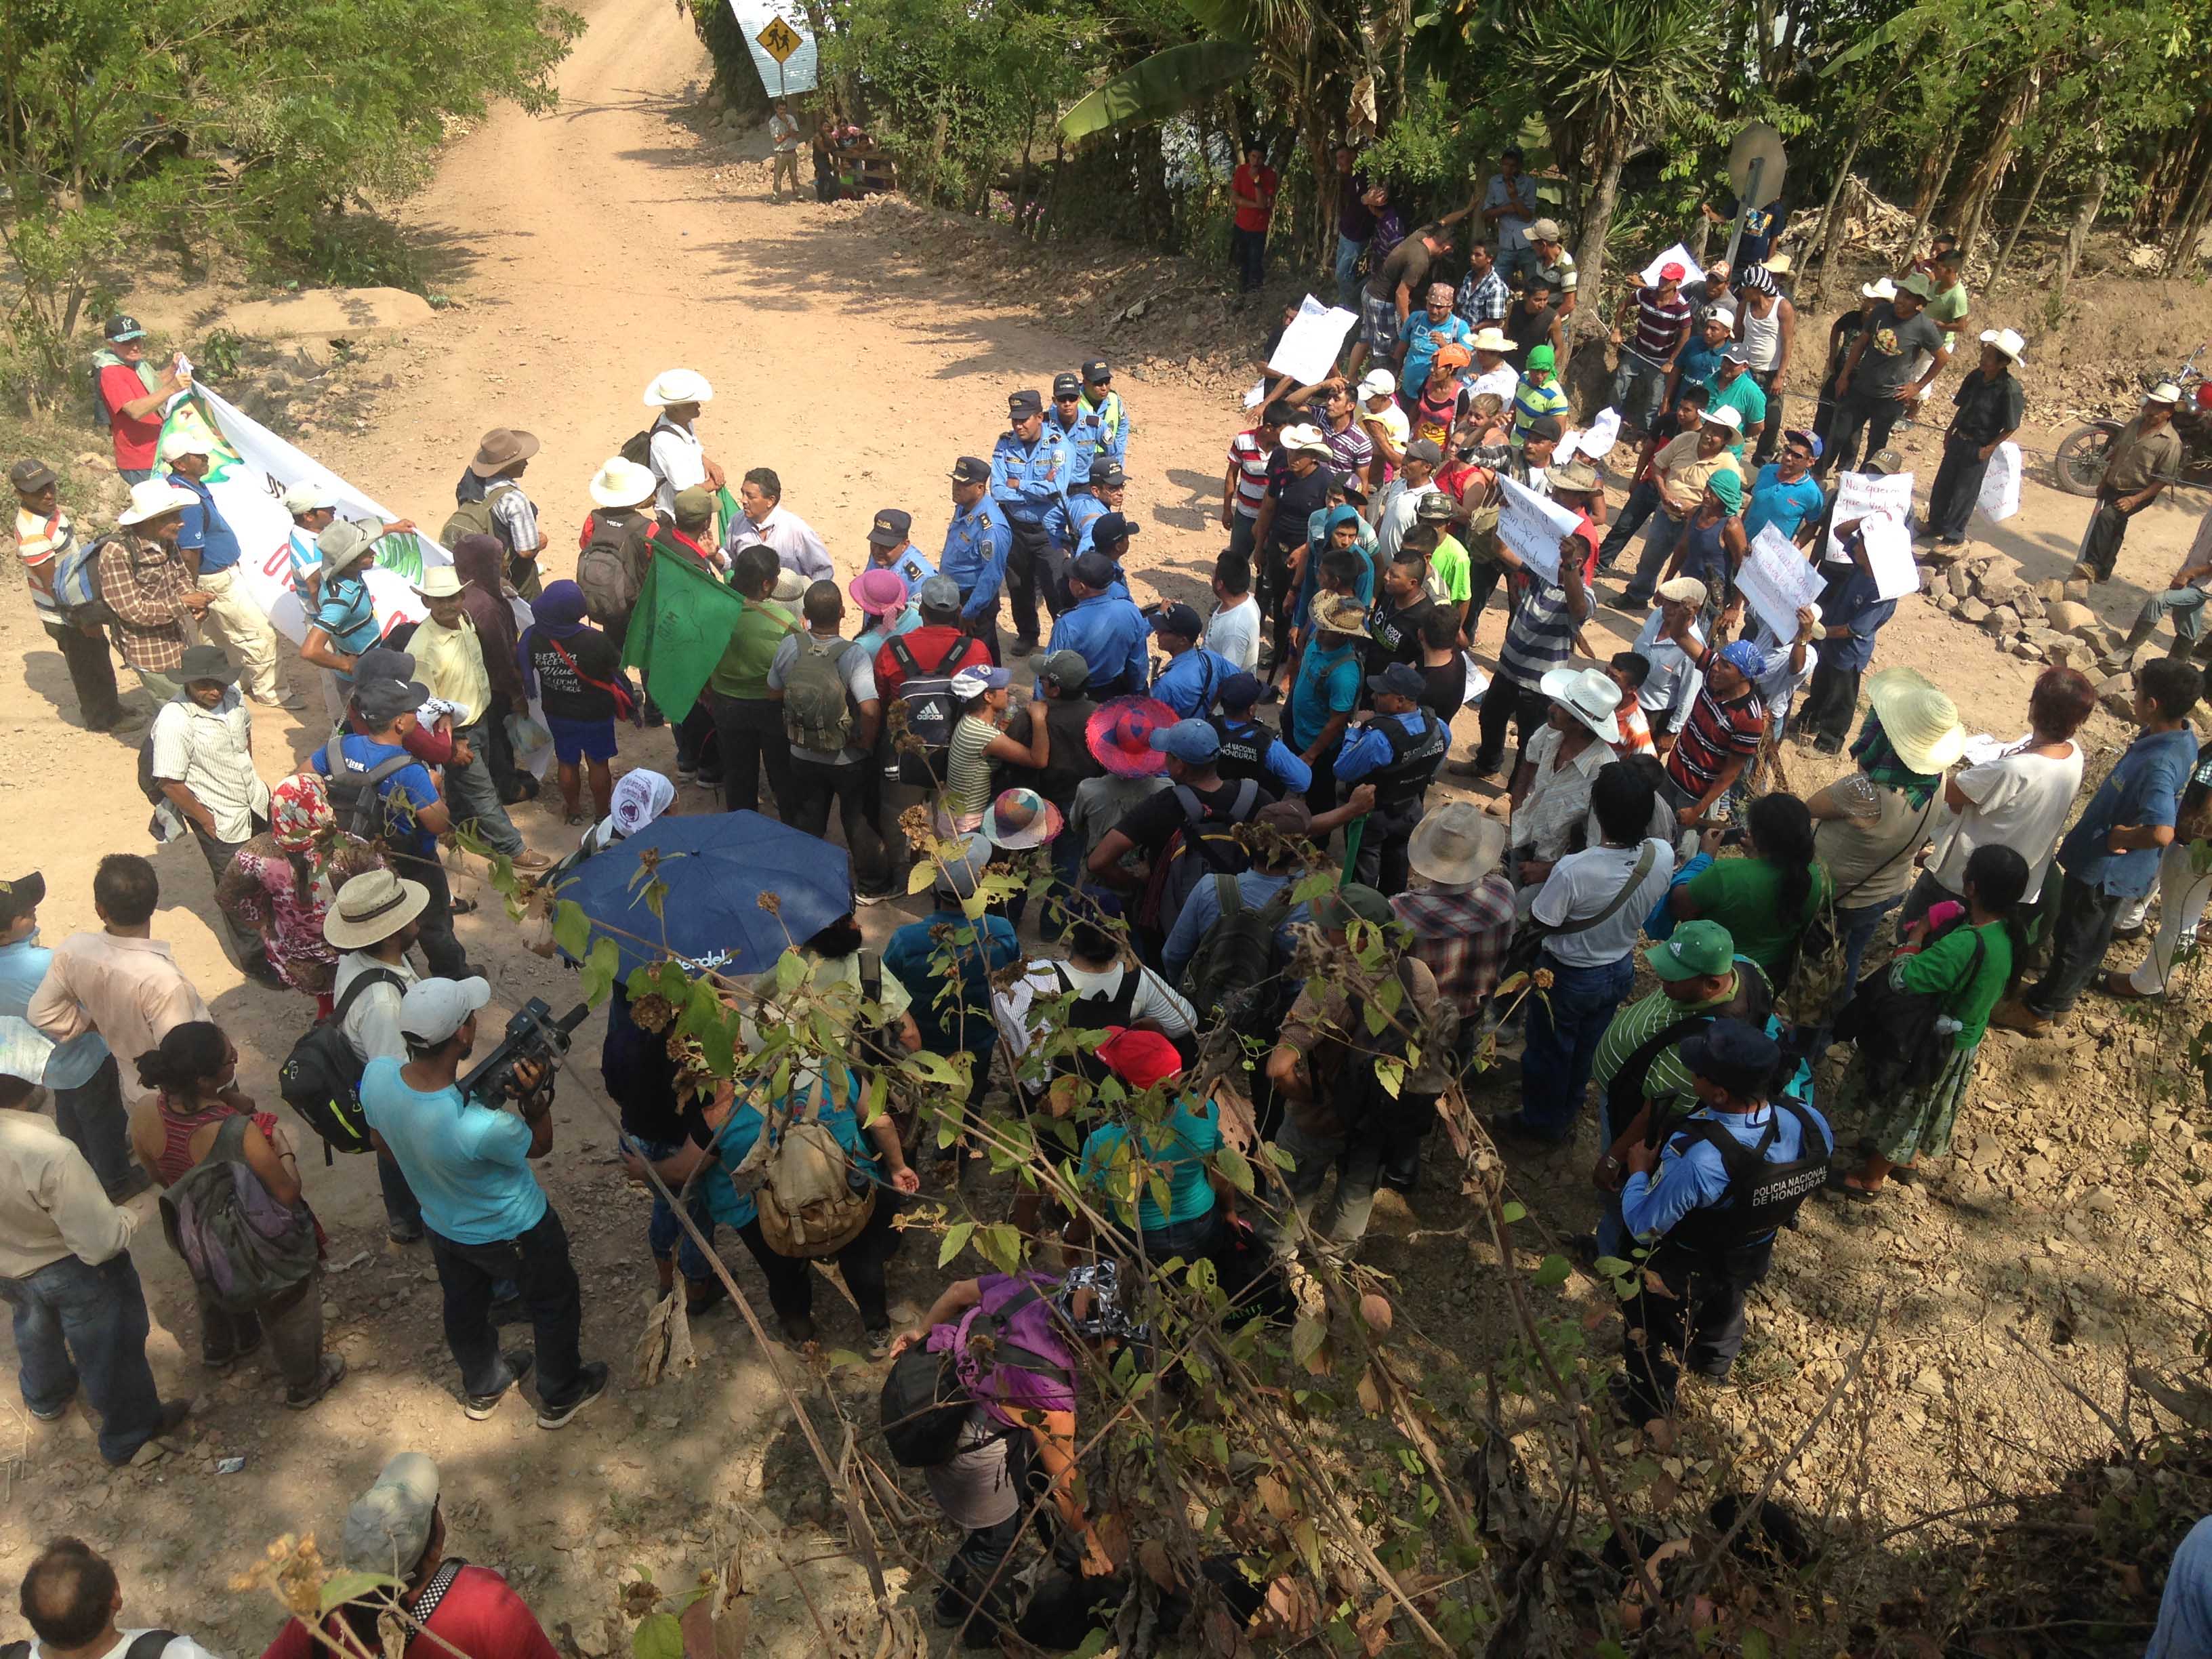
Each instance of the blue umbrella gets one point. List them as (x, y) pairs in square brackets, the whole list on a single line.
[(716, 866)]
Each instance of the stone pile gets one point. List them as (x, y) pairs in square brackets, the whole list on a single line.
[(2047, 622)]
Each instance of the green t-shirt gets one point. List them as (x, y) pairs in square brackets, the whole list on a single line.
[(743, 671), (1450, 574), (1175, 1150), (1742, 394), (1948, 306), (1744, 896), (1942, 967)]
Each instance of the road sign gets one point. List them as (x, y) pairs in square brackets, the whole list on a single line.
[(780, 39), (1758, 146)]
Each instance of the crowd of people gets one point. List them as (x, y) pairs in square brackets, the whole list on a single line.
[(1169, 777)]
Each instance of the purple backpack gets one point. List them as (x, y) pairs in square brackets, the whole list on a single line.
[(234, 1236), (1006, 1351)]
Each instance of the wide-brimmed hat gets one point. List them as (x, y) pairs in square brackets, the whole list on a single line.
[(879, 590), (153, 499), (185, 441), (1880, 289), (1589, 694), (1020, 818), (1917, 717), (678, 385), (1917, 286), (619, 483), (1120, 735), (1576, 478), (343, 543), (501, 448), (1456, 845), (2007, 340), (373, 907), (1492, 340), (389, 1526), (206, 662), (1340, 613), (1304, 438), (2164, 393), (1724, 416), (440, 581)]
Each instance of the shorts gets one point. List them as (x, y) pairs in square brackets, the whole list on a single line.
[(575, 740), (1379, 324)]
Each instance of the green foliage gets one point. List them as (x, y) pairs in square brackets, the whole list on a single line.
[(1433, 149), (1164, 84)]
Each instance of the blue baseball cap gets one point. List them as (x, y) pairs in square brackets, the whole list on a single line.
[(1739, 1057), (1240, 690), (1192, 742)]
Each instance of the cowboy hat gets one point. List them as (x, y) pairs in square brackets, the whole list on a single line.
[(2164, 393), (2006, 340), (1576, 478), (1492, 340), (1920, 721), (1305, 438), (1020, 818), (501, 448), (342, 543), (440, 581), (1589, 694), (1340, 613), (1725, 417), (1880, 289), (371, 908), (1456, 845), (678, 385), (619, 483), (152, 499)]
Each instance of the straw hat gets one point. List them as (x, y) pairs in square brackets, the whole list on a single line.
[(624, 483), (1340, 613), (1880, 289), (1456, 845), (1920, 721), (372, 907), (440, 581), (1491, 339), (678, 385)]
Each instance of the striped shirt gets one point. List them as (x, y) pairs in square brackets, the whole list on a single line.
[(1484, 300), (1352, 448), (1666, 1079), (1715, 731), (513, 515), (1249, 457), (37, 541), (1541, 635), (1531, 401), (1660, 323)]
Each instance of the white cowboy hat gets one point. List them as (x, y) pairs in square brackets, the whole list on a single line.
[(1456, 845), (678, 385), (619, 483), (1589, 694), (2005, 340), (440, 581), (2164, 393), (1917, 717), (1880, 289), (1724, 416), (1491, 339), (152, 499), (1304, 437)]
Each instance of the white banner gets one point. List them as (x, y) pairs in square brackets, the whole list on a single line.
[(1999, 496), (1859, 495), (1676, 255), (1533, 526), (1776, 582), (1307, 351)]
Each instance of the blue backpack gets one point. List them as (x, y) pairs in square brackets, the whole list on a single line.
[(76, 586)]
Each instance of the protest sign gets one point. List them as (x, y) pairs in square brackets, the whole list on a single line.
[(1676, 255), (1860, 494), (1307, 352), (1532, 525), (1776, 581), (1889, 558)]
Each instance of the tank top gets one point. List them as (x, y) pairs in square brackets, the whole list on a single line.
[(177, 1129), (1762, 336), (1702, 557)]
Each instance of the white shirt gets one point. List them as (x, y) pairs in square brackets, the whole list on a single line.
[(1581, 884), (211, 752), (1673, 683), (2018, 800), (676, 458), (1558, 795), (1401, 504), (182, 1648), (783, 134), (1154, 1002), (1234, 631), (372, 1024), (797, 547), (1502, 381)]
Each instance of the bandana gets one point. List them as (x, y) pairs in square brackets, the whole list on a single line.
[(300, 816), (639, 799), (1880, 762)]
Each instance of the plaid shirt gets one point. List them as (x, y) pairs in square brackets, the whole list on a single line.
[(1460, 936), (144, 584), (1484, 301)]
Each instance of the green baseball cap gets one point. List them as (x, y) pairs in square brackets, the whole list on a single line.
[(1353, 902), (1697, 950)]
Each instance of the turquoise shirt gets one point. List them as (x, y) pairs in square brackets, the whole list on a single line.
[(467, 1164), (743, 1127), (1175, 1150), (1328, 684)]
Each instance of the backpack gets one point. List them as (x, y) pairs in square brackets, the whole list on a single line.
[(637, 449), (812, 1201), (927, 1397), (320, 1078), (1235, 977), (1624, 1093), (926, 697), (1196, 850), (818, 715), (1761, 1196), (76, 586), (468, 519), (1895, 1031), (608, 579), (1361, 1103), (242, 1246), (147, 1644), (922, 1408), (356, 797)]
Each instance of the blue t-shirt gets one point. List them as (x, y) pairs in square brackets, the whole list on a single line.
[(203, 531), (742, 1128), (347, 614), (961, 1022), (2144, 790), (1697, 361), (1328, 684), (22, 965), (467, 1164), (1784, 505), (1174, 1149), (404, 793)]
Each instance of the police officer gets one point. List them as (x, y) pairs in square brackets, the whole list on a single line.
[(1191, 682), (890, 546), (1074, 426), (1250, 750), (1105, 404), (1104, 625), (1725, 1178), (1099, 494), (1398, 751), (977, 546), (1029, 472)]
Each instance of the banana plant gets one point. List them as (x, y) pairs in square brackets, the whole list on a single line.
[(1288, 45)]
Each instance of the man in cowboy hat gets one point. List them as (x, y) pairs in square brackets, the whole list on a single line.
[(1876, 387), (203, 761), (1493, 373), (46, 539), (2144, 457), (672, 449), (1551, 784), (491, 503), (1326, 690), (617, 542), (205, 538), (148, 584), (1988, 407), (374, 921), (450, 659)]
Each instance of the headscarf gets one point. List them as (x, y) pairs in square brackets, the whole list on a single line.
[(1881, 765), (483, 597), (639, 799), (557, 614), (1729, 488), (299, 817)]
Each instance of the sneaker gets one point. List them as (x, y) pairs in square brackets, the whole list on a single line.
[(864, 896), (403, 1233), (222, 1366), (686, 774), (331, 1374), (478, 1407), (594, 1376), (58, 1412)]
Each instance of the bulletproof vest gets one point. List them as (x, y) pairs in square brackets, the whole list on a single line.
[(1761, 1195), (1415, 757)]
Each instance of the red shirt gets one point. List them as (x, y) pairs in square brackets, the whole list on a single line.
[(134, 438), (928, 643), (1260, 182), (480, 1616)]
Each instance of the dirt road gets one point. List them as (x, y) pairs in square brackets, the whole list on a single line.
[(590, 250)]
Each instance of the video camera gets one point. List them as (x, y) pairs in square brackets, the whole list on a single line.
[(532, 1035)]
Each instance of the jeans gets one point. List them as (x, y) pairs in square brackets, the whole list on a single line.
[(791, 1278), (814, 785), (473, 798), (403, 1211), (1643, 502), (750, 732), (441, 948), (2184, 1612), (1658, 547), (1482, 579), (1856, 413), (1832, 697), (1958, 486), (1699, 1316), (1277, 592), (1508, 702), (537, 1261), (1247, 255), (1033, 567), (92, 1118), (1512, 261), (1241, 538), (92, 674), (664, 1234), (1190, 1239), (1639, 386), (1858, 924), (292, 1321), (247, 950), (2087, 916), (76, 1323), (1347, 271), (1358, 1161), (2185, 606), (1562, 1026)]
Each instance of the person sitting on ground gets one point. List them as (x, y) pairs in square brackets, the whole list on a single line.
[(70, 1598)]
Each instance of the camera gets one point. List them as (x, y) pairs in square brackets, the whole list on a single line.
[(532, 1035)]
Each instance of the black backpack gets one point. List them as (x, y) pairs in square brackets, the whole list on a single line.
[(637, 449), (1235, 977), (1761, 1196), (1624, 1093), (356, 797), (926, 696), (1895, 1031), (1203, 844), (320, 1078), (925, 1405), (147, 1644)]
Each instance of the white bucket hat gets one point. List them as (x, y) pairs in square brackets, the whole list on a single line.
[(1588, 694), (678, 385), (619, 483), (2005, 340), (153, 498)]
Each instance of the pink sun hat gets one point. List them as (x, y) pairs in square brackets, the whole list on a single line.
[(1120, 733), (879, 591)]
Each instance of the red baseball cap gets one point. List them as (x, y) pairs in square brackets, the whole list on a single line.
[(1671, 272), (1139, 1059)]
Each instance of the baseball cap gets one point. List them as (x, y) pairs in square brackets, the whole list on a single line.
[(695, 506), (1095, 370), (1065, 385), (1696, 950), (120, 327), (1023, 403), (1434, 507), (1740, 1057), (385, 700), (1671, 271), (1111, 527), (1094, 569), (309, 497), (1068, 670), (21, 896), (1721, 314), (938, 593), (1106, 475), (1399, 679), (30, 477), (970, 470), (1178, 619), (1377, 383), (1192, 742), (1426, 449), (1810, 439), (432, 1010), (1139, 1059), (958, 876), (1735, 353), (388, 1527), (1683, 590), (975, 681), (1546, 425), (184, 442), (891, 527), (1240, 690), (1544, 230)]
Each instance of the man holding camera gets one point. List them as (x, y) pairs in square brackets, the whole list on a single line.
[(467, 1161)]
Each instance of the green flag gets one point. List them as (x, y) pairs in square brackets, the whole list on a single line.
[(678, 632)]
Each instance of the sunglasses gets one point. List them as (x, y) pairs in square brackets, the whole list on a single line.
[(1796, 454)]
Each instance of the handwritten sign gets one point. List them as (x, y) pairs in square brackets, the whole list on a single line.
[(1861, 494), (1776, 582), (1531, 525), (1676, 255), (1999, 496), (1307, 351), (1889, 557)]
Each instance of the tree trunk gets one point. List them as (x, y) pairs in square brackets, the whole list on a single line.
[(2181, 247), (2034, 189), (1598, 219), (1823, 239), (2077, 234), (1996, 159), (1924, 209), (2168, 179)]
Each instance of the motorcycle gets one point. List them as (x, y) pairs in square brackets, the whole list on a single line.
[(2085, 451)]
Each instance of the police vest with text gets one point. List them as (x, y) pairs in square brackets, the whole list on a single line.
[(1243, 748), (1761, 1196), (1415, 757)]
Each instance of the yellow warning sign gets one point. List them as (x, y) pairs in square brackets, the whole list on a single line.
[(780, 39)]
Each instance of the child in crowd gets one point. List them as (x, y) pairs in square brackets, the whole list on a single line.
[(577, 674)]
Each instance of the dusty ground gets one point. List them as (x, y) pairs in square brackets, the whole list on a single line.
[(859, 350)]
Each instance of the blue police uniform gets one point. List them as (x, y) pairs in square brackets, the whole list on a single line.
[(1030, 483), (1115, 425), (1113, 636), (1073, 529), (1398, 754), (1250, 750), (1191, 683), (1084, 440), (976, 542)]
